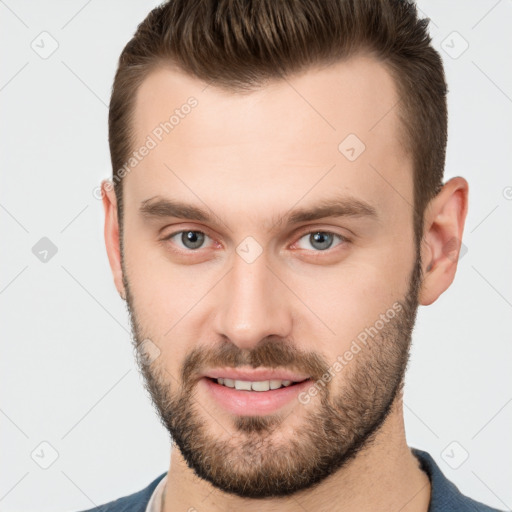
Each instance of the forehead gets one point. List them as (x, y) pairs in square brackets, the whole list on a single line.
[(332, 127)]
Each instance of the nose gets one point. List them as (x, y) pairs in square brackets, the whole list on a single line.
[(252, 304)]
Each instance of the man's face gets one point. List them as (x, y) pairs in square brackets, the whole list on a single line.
[(247, 289)]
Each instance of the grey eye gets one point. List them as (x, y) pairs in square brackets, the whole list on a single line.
[(188, 239), (192, 239), (319, 240)]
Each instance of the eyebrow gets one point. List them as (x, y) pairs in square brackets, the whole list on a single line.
[(344, 206)]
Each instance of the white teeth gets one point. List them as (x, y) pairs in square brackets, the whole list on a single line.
[(264, 385), (243, 384), (261, 385), (275, 384)]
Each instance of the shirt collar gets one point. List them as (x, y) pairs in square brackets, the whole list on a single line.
[(444, 496)]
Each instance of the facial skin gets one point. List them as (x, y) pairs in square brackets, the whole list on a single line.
[(249, 161)]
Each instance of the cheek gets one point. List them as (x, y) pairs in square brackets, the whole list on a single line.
[(161, 292), (353, 295), (168, 300)]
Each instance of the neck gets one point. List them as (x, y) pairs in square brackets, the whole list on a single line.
[(385, 475)]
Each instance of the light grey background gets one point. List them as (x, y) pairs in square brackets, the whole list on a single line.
[(68, 377)]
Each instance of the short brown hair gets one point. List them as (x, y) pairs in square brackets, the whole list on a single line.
[(240, 44)]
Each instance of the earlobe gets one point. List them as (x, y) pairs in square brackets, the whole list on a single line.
[(442, 238), (111, 232)]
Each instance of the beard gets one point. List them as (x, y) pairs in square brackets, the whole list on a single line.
[(253, 462)]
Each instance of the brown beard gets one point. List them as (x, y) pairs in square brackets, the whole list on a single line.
[(251, 464)]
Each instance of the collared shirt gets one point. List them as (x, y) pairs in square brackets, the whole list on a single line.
[(155, 502), (445, 496)]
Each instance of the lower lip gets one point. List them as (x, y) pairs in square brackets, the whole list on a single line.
[(245, 402)]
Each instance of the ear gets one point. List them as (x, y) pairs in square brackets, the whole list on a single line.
[(442, 237), (111, 232)]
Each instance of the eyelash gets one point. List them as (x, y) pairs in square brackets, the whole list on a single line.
[(343, 239)]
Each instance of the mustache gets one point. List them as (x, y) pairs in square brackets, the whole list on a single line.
[(270, 353)]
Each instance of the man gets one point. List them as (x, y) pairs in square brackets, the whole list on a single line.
[(276, 215)]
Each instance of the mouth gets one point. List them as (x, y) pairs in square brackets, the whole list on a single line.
[(258, 385), (256, 397)]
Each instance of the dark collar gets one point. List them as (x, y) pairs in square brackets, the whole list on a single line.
[(445, 496)]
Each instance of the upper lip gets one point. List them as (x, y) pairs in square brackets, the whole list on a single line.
[(255, 375)]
